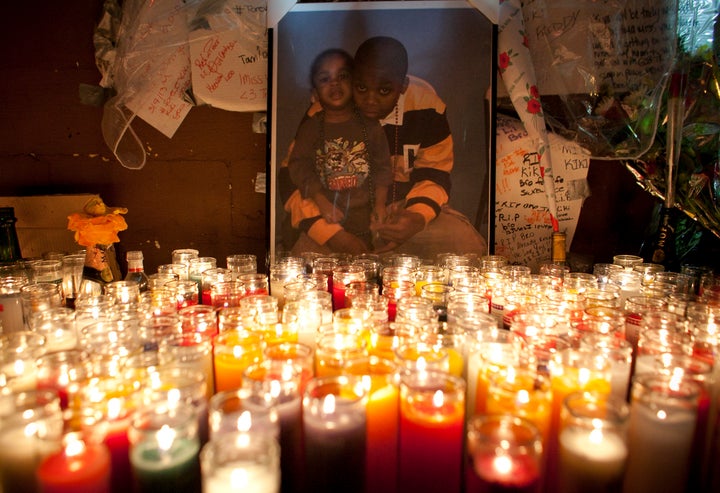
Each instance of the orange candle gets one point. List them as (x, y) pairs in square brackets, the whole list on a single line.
[(233, 352), (380, 378)]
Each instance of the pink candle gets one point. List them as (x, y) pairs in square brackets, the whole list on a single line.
[(432, 415), (77, 468), (504, 455)]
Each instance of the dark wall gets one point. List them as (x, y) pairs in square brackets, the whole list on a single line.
[(197, 190)]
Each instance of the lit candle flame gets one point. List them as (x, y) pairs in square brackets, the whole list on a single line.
[(244, 421), (438, 398), (502, 464), (239, 479), (583, 376), (328, 406), (165, 438)]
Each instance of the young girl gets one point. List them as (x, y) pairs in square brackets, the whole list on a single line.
[(340, 158)]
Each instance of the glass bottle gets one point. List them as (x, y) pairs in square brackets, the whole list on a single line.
[(136, 270), (9, 243)]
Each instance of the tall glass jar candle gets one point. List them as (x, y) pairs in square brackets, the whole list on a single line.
[(334, 422), (432, 416), (593, 443), (663, 417)]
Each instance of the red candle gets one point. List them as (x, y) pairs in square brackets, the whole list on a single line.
[(432, 414), (77, 468)]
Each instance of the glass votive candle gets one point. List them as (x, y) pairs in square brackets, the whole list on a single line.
[(354, 288), (334, 425), (57, 325), (325, 265), (11, 314), (196, 267), (193, 351), (209, 277), (343, 275), (282, 272), (492, 263), (63, 372), (603, 270), (425, 274), (293, 353), (504, 454), (123, 292), (663, 419), (627, 261), (432, 418), (373, 303), (241, 462), (439, 294), (224, 294), (306, 316), (335, 351), (19, 352), (324, 300), (422, 356), (241, 263), (351, 321), (404, 306), (198, 318), (176, 271), (46, 271), (635, 308), (242, 410), (31, 426), (183, 256), (38, 297), (255, 284), (593, 442), (294, 288), (164, 450)]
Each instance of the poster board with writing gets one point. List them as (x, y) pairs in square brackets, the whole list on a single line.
[(523, 231)]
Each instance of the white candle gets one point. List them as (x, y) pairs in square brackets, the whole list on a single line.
[(591, 459), (660, 438), (246, 478)]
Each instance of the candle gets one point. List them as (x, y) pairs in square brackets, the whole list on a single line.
[(78, 468), (521, 392), (663, 416), (30, 429), (432, 414), (192, 351), (234, 351), (111, 401), (343, 275), (592, 443), (164, 450), (335, 434), (241, 463), (572, 370), (279, 383), (379, 376), (504, 455)]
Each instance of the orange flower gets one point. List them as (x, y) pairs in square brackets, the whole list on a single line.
[(96, 230)]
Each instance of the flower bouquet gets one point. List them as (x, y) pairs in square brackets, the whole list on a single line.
[(97, 228)]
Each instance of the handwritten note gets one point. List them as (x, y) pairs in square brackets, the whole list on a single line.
[(523, 231), (157, 64), (229, 57), (583, 45)]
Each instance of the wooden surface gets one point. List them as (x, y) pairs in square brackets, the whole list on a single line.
[(197, 189)]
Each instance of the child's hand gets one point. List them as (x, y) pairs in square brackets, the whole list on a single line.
[(328, 211)]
